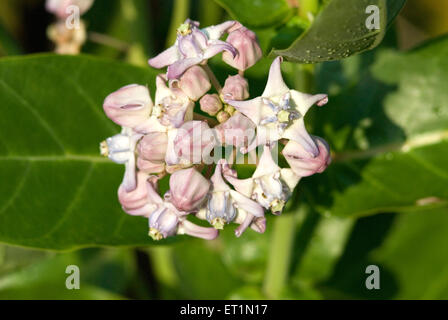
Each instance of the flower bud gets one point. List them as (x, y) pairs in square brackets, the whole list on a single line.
[(194, 141), (211, 104), (302, 162), (194, 82), (163, 222), (249, 51), (238, 131), (236, 88), (153, 146), (61, 8), (129, 106), (150, 166), (188, 189)]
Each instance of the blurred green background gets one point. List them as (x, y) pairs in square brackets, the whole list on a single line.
[(326, 252)]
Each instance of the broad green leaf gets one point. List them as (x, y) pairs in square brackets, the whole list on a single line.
[(8, 45), (393, 153), (258, 13), (340, 31), (410, 251), (56, 191), (46, 279)]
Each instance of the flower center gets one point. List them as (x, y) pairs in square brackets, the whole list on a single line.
[(184, 29), (104, 149), (155, 234), (218, 223)]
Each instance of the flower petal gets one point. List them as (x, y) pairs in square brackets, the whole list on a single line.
[(303, 102), (166, 58), (217, 46), (250, 108), (275, 85), (247, 204), (187, 227), (216, 32), (297, 132), (176, 69), (266, 165)]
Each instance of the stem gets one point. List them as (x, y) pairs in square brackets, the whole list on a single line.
[(212, 78), (181, 10), (279, 256)]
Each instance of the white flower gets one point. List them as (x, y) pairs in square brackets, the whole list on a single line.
[(270, 185), (279, 112)]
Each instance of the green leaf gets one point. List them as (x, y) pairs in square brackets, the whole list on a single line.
[(395, 155), (340, 31), (410, 251), (57, 192), (260, 13)]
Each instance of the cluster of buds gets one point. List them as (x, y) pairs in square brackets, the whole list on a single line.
[(165, 138), (69, 32)]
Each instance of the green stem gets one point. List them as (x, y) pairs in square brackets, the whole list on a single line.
[(181, 11), (213, 79), (279, 256)]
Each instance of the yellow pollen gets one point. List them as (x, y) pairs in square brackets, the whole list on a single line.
[(218, 223), (277, 205), (104, 149), (184, 29), (155, 234), (283, 116)]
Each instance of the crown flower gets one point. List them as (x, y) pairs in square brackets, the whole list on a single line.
[(196, 137)]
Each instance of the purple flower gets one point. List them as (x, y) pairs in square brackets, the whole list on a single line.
[(194, 82), (235, 88), (192, 47)]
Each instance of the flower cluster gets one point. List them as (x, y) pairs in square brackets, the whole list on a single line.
[(69, 32), (166, 137)]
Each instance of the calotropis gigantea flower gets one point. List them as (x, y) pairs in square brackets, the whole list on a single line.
[(225, 204), (246, 43), (121, 149), (193, 46), (279, 112), (303, 163), (172, 108), (60, 8), (270, 185), (129, 106)]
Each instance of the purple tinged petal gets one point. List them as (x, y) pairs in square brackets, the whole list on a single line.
[(275, 85), (238, 131), (194, 82), (194, 230), (297, 132), (247, 204), (216, 46), (166, 58), (243, 186), (235, 88), (302, 163), (176, 69), (216, 32), (218, 183), (128, 106)]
